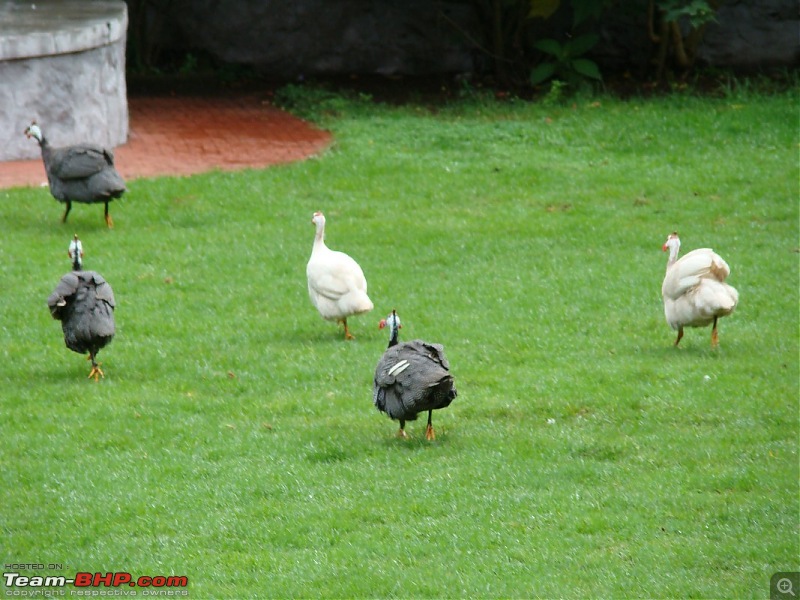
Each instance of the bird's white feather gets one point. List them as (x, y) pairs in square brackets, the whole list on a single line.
[(336, 283), (694, 290), (399, 367)]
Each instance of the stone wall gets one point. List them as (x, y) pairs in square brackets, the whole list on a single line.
[(421, 37), (753, 33), (62, 63), (313, 37), (745, 35)]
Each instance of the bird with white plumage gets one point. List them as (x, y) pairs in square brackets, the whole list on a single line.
[(336, 283), (694, 290)]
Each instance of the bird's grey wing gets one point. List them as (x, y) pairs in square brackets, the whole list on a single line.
[(86, 320), (385, 372), (393, 363), (434, 351), (103, 290), (65, 290), (386, 395), (426, 382), (379, 395), (77, 162), (417, 368), (405, 377), (389, 399)]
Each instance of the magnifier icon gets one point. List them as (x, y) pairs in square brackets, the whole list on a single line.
[(784, 586)]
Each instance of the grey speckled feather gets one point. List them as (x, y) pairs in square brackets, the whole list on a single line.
[(84, 303), (82, 173), (412, 377)]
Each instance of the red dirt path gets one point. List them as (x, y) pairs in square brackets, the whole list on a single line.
[(179, 135)]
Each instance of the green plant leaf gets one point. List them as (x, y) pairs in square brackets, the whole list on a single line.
[(587, 68), (543, 9), (581, 44), (550, 46), (583, 10), (542, 72), (698, 12)]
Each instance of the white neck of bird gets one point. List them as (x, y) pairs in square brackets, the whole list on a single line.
[(673, 254), (319, 236)]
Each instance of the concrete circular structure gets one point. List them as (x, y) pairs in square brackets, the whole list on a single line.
[(62, 63)]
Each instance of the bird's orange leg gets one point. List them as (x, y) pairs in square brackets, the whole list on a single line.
[(109, 220), (401, 433), (347, 334), (714, 335), (680, 335), (96, 371), (430, 435)]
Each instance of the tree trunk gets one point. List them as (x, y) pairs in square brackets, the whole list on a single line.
[(498, 43)]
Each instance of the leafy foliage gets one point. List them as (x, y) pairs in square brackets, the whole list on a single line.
[(515, 44), (542, 9), (676, 27), (520, 41), (567, 61), (696, 12)]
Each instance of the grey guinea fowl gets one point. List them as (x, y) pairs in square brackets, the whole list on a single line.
[(84, 303), (81, 173), (411, 377)]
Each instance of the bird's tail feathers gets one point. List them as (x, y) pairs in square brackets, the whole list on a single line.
[(716, 298), (355, 303), (387, 400)]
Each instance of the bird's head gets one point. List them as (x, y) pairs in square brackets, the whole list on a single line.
[(34, 131), (76, 253), (394, 325), (673, 241), (318, 220)]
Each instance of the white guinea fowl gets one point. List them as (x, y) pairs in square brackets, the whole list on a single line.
[(336, 284), (694, 289)]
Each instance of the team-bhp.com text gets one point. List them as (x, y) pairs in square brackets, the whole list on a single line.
[(94, 584)]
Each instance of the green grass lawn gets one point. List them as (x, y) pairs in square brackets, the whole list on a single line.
[(234, 440)]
